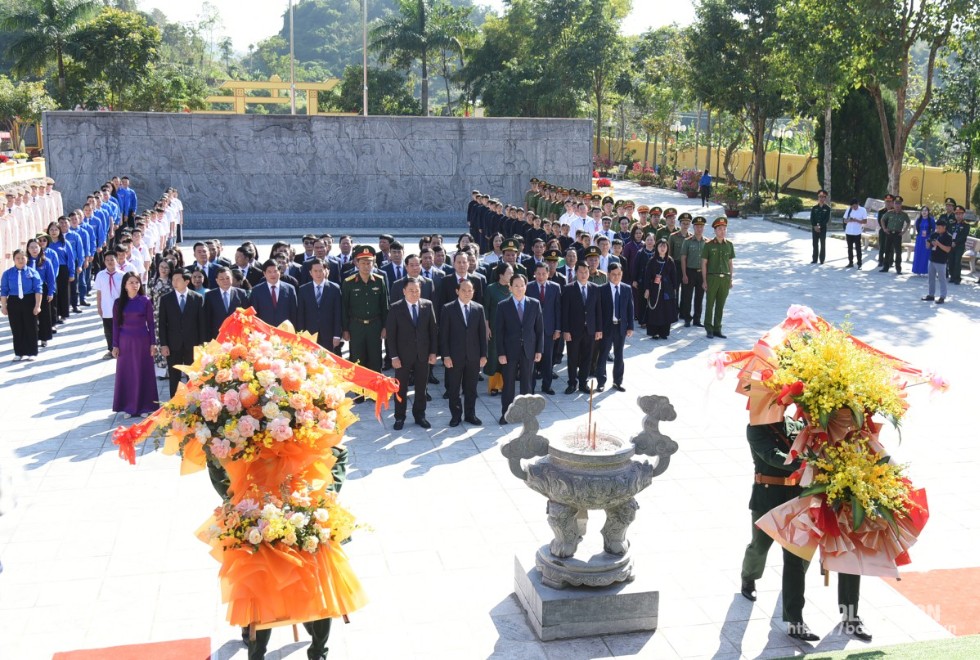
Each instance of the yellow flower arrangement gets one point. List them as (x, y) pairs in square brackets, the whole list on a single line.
[(852, 472), (837, 374)]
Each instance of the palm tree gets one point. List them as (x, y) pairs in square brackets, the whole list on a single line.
[(42, 28), (409, 36)]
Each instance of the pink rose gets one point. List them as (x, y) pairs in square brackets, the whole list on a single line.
[(247, 426), (232, 402), (220, 448), (210, 409), (279, 429)]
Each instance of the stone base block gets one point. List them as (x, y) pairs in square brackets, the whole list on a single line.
[(583, 611)]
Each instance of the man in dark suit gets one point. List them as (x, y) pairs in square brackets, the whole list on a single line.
[(274, 301), (413, 341), (221, 303), (249, 273), (448, 284), (581, 324), (394, 268), (319, 252), (308, 250), (202, 263), (463, 346), (413, 270), (181, 325), (617, 324), (430, 271), (548, 295), (552, 257), (319, 308), (519, 334)]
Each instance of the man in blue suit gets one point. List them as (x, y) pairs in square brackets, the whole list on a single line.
[(581, 325), (319, 308), (220, 303), (548, 294), (617, 324), (274, 301), (519, 333)]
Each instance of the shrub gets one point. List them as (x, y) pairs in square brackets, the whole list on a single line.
[(789, 205)]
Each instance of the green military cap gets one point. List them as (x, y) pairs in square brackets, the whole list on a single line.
[(596, 197), (699, 220), (592, 251), (509, 245), (889, 197), (959, 207), (534, 179), (951, 201), (629, 202), (670, 211), (607, 200), (656, 209), (685, 216), (364, 251), (719, 222), (552, 255), (642, 208)]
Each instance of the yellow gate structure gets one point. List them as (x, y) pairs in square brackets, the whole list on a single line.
[(278, 93)]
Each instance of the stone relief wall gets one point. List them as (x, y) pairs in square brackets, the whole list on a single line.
[(252, 166)]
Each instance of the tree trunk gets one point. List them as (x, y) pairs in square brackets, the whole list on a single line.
[(827, 143), (598, 132), (697, 137), (656, 148), (707, 143), (61, 72), (646, 151), (445, 76), (969, 176), (759, 151), (425, 83)]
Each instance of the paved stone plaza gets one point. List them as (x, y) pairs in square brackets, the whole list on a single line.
[(100, 553)]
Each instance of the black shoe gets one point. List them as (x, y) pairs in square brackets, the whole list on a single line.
[(940, 301), (855, 628), (445, 395), (424, 423), (428, 397), (554, 376), (720, 336), (474, 420), (848, 266), (481, 377), (600, 388), (687, 324), (570, 389), (495, 393), (75, 310), (927, 298), (698, 324), (954, 282), (618, 387), (454, 422), (85, 304), (399, 424), (813, 263), (547, 390), (503, 421), (882, 270), (859, 265), (584, 390), (748, 589), (799, 630), (433, 380), (711, 335)]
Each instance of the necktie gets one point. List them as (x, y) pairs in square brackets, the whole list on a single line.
[(541, 295), (466, 314), (319, 292), (111, 281), (428, 274), (585, 295), (520, 310), (615, 302), (398, 273), (415, 315), (275, 297), (20, 283), (181, 297), (225, 296)]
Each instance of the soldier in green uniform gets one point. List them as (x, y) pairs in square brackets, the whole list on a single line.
[(819, 219), (596, 276), (717, 269), (950, 214), (690, 258), (774, 485), (531, 195), (674, 243), (895, 223), (959, 231), (511, 250), (668, 227), (364, 298)]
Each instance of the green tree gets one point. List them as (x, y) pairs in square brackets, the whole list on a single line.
[(660, 86), (22, 101), (816, 43), (730, 46), (456, 27), (42, 31), (165, 89), (118, 47), (858, 165), (388, 93), (895, 28)]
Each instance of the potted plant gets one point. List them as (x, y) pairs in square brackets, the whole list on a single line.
[(647, 177), (731, 197), (687, 182)]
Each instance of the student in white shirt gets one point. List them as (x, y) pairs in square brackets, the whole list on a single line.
[(854, 219), (108, 286)]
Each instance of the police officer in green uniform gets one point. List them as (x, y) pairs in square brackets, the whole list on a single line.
[(775, 485), (596, 276), (819, 219), (690, 260), (717, 269), (895, 222), (365, 310)]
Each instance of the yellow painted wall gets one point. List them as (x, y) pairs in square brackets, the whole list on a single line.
[(930, 185), (22, 172)]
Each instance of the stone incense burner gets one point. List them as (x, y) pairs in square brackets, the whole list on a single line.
[(587, 471)]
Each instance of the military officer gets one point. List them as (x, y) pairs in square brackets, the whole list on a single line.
[(690, 260), (674, 244), (819, 219), (959, 231), (717, 269), (365, 310), (592, 256), (774, 485), (895, 223)]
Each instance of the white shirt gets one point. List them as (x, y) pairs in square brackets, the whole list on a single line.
[(110, 290), (854, 221)]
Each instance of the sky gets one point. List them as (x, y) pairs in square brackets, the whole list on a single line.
[(250, 21)]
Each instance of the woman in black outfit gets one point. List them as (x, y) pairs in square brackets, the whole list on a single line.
[(661, 302)]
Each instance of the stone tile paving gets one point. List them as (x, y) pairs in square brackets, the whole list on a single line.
[(100, 553)]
